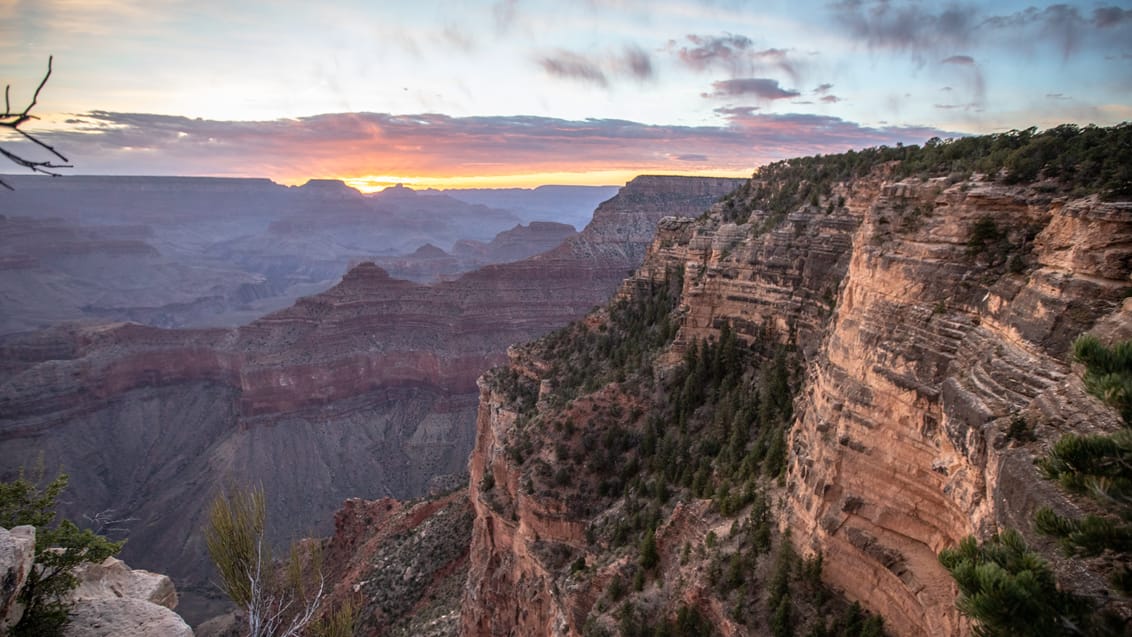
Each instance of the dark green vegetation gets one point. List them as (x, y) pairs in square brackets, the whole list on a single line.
[(1069, 159), (1098, 467), (60, 547), (619, 421), (1108, 373), (626, 431), (1007, 588)]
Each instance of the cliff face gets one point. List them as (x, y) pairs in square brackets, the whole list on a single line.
[(926, 314), (367, 389), (901, 449)]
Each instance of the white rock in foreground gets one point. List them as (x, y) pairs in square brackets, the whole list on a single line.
[(17, 551), (124, 617), (113, 578)]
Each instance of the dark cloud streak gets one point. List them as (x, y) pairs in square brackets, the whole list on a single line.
[(734, 54), (727, 51), (925, 30), (632, 62), (346, 144), (569, 65), (760, 87)]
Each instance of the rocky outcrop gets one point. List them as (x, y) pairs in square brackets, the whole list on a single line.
[(517, 243), (367, 389), (124, 617), (110, 600), (403, 565), (17, 553), (213, 252), (920, 341), (113, 599), (113, 578)]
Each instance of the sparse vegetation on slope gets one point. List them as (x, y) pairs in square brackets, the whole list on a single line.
[(648, 460), (625, 438), (1006, 587)]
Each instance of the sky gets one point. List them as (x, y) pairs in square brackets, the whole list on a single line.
[(447, 94)]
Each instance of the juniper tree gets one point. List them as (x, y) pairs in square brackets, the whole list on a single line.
[(60, 547)]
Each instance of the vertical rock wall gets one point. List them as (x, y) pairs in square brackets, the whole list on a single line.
[(920, 347)]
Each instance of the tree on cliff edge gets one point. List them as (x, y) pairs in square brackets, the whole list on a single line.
[(59, 549)]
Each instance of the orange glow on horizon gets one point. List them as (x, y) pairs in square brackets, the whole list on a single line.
[(376, 183)]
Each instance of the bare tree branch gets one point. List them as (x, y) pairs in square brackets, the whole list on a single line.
[(14, 120)]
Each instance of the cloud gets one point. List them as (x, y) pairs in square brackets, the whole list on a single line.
[(636, 62), (965, 60), (822, 89), (1106, 17), (779, 59), (735, 54), (573, 66), (923, 29), (830, 99), (736, 111), (632, 61), (504, 13), (762, 88), (967, 71), (357, 144), (1057, 96), (707, 51), (914, 28)]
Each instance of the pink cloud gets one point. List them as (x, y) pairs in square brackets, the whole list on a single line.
[(429, 144)]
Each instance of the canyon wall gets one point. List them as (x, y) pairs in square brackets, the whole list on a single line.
[(926, 315), (365, 390)]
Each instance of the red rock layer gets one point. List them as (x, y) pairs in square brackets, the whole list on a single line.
[(366, 389)]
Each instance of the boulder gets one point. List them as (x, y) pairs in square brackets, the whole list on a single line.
[(113, 599), (17, 551), (124, 617), (113, 578)]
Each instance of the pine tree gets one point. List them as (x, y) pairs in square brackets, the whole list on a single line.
[(1008, 590)]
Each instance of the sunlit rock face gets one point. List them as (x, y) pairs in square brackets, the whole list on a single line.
[(919, 348)]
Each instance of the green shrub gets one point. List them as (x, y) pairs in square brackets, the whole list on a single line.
[(60, 547), (1108, 372), (1008, 590)]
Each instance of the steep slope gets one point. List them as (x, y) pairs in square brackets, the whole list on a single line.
[(366, 390), (912, 316)]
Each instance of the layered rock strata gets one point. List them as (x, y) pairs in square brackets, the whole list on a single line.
[(367, 389), (921, 341)]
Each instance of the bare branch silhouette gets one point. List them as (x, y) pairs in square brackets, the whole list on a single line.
[(14, 119)]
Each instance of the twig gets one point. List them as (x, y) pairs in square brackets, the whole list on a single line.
[(13, 121)]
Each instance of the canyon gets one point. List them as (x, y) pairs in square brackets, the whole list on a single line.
[(216, 252), (804, 386), (917, 341), (365, 390)]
